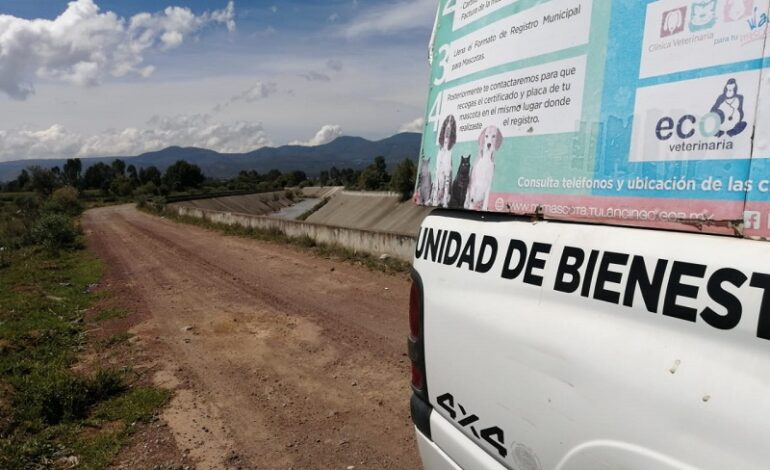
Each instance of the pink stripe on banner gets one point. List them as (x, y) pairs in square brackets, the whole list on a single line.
[(716, 217)]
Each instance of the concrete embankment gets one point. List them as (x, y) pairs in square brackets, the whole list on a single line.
[(371, 222), (378, 211), (256, 204), (397, 245)]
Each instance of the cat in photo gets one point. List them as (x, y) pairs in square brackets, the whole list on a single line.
[(460, 184), (424, 184)]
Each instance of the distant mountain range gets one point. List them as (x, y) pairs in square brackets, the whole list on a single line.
[(343, 152)]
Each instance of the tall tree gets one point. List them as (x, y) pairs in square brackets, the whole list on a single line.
[(23, 180), (72, 172), (119, 167), (150, 174), (99, 176), (133, 175), (42, 181), (403, 178), (183, 175), (375, 176)]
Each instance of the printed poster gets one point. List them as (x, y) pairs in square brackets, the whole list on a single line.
[(635, 112)]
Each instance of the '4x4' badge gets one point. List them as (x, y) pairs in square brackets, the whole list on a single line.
[(493, 436)]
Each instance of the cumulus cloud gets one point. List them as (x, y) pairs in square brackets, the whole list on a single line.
[(389, 18), (416, 125), (198, 130), (259, 91), (84, 45), (324, 135)]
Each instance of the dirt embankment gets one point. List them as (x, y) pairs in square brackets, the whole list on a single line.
[(278, 359)]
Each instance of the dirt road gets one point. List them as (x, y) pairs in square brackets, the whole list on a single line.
[(279, 359)]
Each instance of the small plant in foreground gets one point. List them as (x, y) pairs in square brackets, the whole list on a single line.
[(55, 232)]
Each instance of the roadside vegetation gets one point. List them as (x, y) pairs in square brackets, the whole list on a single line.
[(325, 250), (57, 411)]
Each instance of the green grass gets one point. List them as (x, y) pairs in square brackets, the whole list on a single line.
[(47, 411), (274, 235), (11, 197), (112, 313), (131, 407)]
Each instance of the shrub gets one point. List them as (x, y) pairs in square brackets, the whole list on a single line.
[(65, 200), (121, 186), (4, 260), (147, 189), (55, 232), (12, 232), (141, 201), (28, 208), (55, 397)]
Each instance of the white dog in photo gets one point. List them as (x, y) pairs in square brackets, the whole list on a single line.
[(443, 182), (483, 170)]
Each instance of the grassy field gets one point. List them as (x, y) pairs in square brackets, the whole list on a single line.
[(53, 414)]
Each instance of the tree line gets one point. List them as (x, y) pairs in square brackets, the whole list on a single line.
[(117, 178), (374, 177), (121, 180)]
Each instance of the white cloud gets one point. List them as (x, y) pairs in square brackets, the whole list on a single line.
[(389, 18), (413, 126), (225, 16), (198, 130), (333, 17), (259, 91), (256, 92), (84, 45), (324, 135)]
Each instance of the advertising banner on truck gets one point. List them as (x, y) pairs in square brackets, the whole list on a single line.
[(634, 112)]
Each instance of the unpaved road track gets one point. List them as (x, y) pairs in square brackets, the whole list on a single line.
[(279, 359)]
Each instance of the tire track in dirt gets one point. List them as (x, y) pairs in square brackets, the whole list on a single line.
[(286, 360)]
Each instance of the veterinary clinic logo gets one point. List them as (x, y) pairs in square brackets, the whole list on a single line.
[(736, 10), (703, 15), (673, 22), (724, 119)]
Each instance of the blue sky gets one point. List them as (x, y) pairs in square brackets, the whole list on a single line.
[(95, 77)]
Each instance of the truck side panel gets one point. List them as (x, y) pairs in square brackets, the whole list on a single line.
[(570, 346)]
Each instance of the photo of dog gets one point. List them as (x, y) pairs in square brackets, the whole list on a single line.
[(443, 179), (483, 171)]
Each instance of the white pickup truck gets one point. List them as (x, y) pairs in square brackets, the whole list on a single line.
[(569, 346), (593, 290)]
